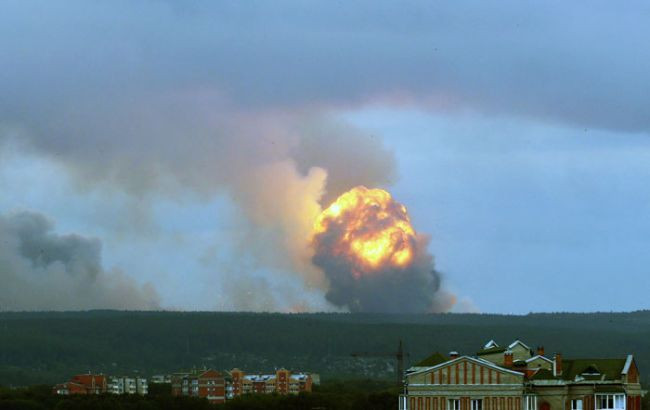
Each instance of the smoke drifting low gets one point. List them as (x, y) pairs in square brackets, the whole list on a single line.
[(372, 257), (40, 270)]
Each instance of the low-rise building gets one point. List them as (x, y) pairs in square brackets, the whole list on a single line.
[(207, 383), (516, 377), (83, 384)]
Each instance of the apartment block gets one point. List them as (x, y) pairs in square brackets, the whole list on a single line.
[(207, 383), (128, 385), (282, 381)]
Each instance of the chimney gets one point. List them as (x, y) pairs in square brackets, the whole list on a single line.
[(453, 354), (540, 350), (557, 365), (507, 358)]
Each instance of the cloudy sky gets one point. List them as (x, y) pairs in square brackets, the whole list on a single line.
[(167, 154)]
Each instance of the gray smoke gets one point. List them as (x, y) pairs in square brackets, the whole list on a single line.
[(388, 287), (41, 270), (410, 290)]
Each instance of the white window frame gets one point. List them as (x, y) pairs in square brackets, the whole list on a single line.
[(453, 404), (576, 404), (613, 401), (530, 402), (476, 404)]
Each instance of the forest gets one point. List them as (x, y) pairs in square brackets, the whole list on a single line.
[(49, 347), (332, 395)]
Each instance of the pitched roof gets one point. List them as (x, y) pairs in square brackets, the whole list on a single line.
[(491, 350), (611, 368), (480, 361), (435, 359), (628, 363), (490, 344), (539, 356), (543, 374), (87, 379), (518, 342)]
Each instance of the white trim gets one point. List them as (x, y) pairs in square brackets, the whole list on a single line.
[(539, 356), (482, 362), (518, 342), (628, 363), (614, 396), (490, 344)]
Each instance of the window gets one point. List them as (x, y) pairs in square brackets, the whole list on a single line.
[(610, 402), (453, 404), (576, 404), (530, 402), (477, 404)]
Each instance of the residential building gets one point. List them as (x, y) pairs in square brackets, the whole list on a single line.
[(128, 385), (516, 377), (206, 383), (83, 384), (161, 378), (282, 381)]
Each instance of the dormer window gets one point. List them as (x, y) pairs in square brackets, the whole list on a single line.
[(592, 370)]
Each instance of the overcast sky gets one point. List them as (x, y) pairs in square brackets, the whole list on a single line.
[(170, 154)]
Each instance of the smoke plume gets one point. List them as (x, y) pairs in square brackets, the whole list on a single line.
[(372, 257), (41, 270), (143, 115)]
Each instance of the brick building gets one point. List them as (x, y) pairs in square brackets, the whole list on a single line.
[(515, 377), (207, 383), (83, 384), (282, 381)]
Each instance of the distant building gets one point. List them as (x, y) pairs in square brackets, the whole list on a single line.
[(515, 377), (208, 384), (83, 384), (282, 381), (128, 385), (161, 378)]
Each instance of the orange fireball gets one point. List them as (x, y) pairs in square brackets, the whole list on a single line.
[(368, 228)]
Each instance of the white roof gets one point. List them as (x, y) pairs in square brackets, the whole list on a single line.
[(628, 363), (518, 342), (539, 356), (490, 344)]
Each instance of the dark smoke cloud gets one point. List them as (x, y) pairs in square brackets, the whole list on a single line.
[(41, 270), (387, 284), (410, 290)]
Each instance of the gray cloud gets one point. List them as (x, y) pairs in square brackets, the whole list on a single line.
[(41, 270), (168, 98), (582, 62)]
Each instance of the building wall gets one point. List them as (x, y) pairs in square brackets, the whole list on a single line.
[(466, 380), (464, 372), (520, 352), (540, 363)]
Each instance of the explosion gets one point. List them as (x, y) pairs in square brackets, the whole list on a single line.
[(376, 230), (372, 256)]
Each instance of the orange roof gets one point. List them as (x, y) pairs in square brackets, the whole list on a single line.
[(87, 379), (210, 374)]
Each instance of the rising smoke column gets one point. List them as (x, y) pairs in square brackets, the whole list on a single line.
[(371, 255)]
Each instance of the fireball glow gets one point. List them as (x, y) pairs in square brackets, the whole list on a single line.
[(372, 230)]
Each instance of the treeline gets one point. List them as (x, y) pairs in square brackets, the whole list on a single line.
[(47, 347), (347, 395)]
